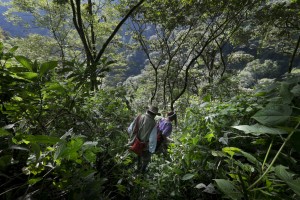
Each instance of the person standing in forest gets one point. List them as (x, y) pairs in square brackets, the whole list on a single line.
[(164, 131), (144, 128)]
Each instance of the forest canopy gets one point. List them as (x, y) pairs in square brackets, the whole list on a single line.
[(229, 69)]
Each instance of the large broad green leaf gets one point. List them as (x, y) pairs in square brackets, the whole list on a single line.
[(258, 129), (60, 148), (228, 189), (71, 150), (286, 95), (250, 158), (28, 75), (35, 148), (273, 114), (44, 139), (18, 69), (265, 90), (54, 86), (296, 90), (47, 66), (187, 177), (287, 177), (25, 62)]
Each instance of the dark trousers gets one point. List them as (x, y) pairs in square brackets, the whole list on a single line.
[(143, 161)]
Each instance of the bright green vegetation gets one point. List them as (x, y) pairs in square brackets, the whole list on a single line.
[(230, 69)]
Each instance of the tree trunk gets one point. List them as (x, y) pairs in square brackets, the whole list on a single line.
[(294, 55)]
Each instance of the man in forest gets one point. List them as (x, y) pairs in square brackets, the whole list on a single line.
[(146, 132)]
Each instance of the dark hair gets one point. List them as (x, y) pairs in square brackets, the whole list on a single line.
[(151, 113), (172, 116)]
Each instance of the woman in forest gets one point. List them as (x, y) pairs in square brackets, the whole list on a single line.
[(164, 131)]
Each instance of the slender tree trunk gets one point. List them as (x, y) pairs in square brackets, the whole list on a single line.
[(222, 58), (294, 55), (92, 58)]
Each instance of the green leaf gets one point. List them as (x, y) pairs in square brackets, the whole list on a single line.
[(295, 185), (258, 129), (12, 50), (71, 150), (285, 93), (187, 177), (19, 148), (18, 69), (231, 150), (90, 155), (9, 126), (43, 139), (15, 98), (1, 47), (296, 90), (25, 62), (207, 98), (250, 158), (35, 66), (60, 149), (218, 154), (228, 189), (281, 172), (4, 132), (273, 114), (54, 86), (209, 136), (36, 149), (200, 185), (28, 75), (287, 177), (47, 66), (265, 90), (33, 181)]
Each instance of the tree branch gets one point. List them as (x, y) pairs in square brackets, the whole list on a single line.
[(116, 30), (77, 20)]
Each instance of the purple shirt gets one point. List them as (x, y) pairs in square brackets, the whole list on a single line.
[(165, 127)]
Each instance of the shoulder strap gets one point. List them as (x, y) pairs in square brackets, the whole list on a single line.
[(136, 127)]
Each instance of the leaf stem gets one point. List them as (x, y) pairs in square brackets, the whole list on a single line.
[(269, 149), (243, 185), (275, 158)]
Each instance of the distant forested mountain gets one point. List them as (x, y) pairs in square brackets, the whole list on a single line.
[(19, 30)]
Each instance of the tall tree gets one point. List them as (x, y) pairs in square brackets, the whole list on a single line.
[(96, 23), (185, 31), (277, 25)]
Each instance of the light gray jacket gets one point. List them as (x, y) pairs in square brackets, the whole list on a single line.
[(147, 131)]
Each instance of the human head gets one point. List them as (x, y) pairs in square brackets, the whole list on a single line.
[(172, 117), (153, 110)]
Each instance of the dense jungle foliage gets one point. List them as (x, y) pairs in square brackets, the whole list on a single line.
[(229, 69)]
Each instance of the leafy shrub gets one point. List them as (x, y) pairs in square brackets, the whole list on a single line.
[(59, 141)]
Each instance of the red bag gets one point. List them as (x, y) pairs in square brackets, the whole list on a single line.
[(138, 146)]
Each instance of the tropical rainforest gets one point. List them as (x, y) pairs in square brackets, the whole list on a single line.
[(230, 69)]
